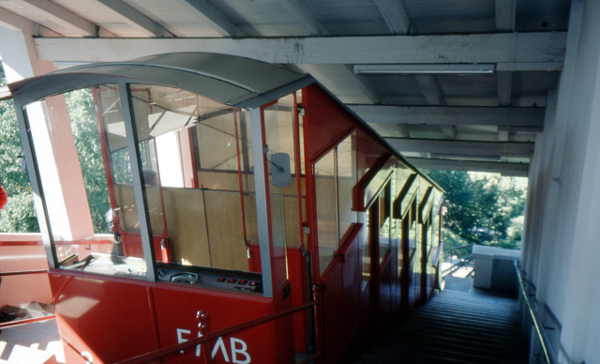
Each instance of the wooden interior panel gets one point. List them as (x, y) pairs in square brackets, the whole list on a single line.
[(128, 213), (224, 222), (187, 228)]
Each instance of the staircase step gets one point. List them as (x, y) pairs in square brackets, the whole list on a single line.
[(455, 327)]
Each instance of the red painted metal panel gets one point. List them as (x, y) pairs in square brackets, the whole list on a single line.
[(108, 318), (176, 314), (20, 256), (299, 297)]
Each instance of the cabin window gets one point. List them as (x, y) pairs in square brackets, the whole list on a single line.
[(346, 167), (335, 176), (326, 199), (385, 222), (103, 236), (198, 181)]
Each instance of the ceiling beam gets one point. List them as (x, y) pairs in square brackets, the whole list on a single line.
[(299, 9), (536, 49), (330, 76), (531, 119), (506, 12), (504, 168), (430, 88), (13, 21), (395, 15), (58, 18), (462, 148), (504, 83), (216, 18), (136, 18), (505, 22)]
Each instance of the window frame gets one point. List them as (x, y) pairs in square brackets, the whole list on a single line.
[(125, 96)]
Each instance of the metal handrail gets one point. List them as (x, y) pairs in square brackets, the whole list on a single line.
[(159, 353), (456, 266), (533, 316)]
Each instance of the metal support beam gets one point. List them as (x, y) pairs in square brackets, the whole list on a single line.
[(514, 49), (216, 18), (518, 118), (395, 15), (504, 168), (462, 148), (136, 18)]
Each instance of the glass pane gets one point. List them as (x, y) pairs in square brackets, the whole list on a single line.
[(325, 186), (91, 235), (384, 222), (279, 133), (199, 186), (346, 166)]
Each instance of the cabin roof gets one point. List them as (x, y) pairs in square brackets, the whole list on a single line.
[(231, 80)]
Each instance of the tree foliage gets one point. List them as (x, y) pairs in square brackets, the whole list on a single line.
[(485, 210), (18, 214), (87, 143)]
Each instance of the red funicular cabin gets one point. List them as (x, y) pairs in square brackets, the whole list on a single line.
[(234, 212)]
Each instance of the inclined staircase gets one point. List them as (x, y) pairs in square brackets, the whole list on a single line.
[(455, 327)]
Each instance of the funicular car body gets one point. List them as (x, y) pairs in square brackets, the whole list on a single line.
[(234, 212)]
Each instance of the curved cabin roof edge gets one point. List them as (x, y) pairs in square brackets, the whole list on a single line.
[(232, 80)]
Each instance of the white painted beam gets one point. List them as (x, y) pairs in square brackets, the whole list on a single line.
[(505, 22), (513, 48), (462, 148), (430, 88), (216, 18), (299, 9), (16, 22), (515, 117), (136, 18), (504, 83), (334, 76), (395, 15), (504, 168), (53, 16), (506, 15), (331, 76)]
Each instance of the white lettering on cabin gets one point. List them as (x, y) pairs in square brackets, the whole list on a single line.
[(220, 345), (241, 350), (237, 353)]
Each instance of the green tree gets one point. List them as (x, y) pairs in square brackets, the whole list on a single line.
[(481, 210), (18, 215), (81, 107)]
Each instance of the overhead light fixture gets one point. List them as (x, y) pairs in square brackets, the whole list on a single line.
[(383, 69)]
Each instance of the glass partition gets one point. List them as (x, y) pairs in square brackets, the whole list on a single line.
[(326, 199), (198, 181), (335, 177), (88, 138)]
